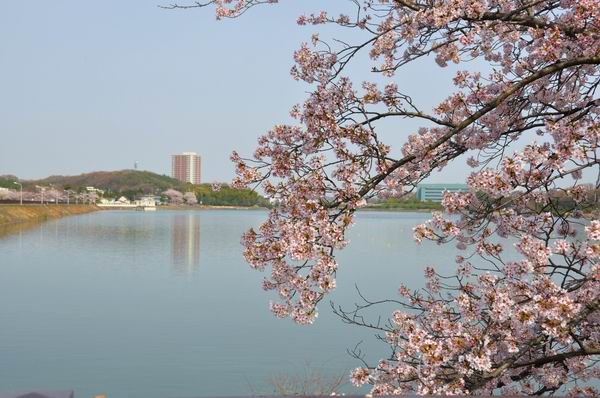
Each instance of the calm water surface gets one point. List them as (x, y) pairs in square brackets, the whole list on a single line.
[(134, 304)]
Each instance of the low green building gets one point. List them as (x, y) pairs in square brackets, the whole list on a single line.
[(435, 192)]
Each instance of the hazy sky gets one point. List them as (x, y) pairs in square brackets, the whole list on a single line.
[(98, 84)]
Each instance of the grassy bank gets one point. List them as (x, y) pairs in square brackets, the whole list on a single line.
[(13, 214)]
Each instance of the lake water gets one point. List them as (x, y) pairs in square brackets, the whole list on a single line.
[(134, 304)]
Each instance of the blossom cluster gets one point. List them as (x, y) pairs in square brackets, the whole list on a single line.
[(521, 312)]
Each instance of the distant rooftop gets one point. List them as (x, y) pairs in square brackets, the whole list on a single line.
[(435, 192), (453, 185)]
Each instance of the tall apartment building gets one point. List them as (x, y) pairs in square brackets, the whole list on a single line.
[(186, 167)]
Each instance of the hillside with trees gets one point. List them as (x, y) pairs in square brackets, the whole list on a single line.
[(7, 181), (128, 182), (134, 183)]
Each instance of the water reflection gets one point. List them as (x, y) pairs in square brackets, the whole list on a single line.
[(185, 242), (122, 316), (14, 229)]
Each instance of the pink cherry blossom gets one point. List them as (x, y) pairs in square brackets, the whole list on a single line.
[(521, 313)]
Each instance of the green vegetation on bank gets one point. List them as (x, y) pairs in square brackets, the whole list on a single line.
[(227, 196), (8, 181), (404, 204)]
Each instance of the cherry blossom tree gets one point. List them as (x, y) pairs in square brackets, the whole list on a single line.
[(8, 194), (83, 197), (216, 186), (53, 195), (175, 197), (31, 196), (91, 197), (190, 198), (529, 128)]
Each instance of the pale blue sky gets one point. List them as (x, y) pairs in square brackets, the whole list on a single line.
[(95, 85)]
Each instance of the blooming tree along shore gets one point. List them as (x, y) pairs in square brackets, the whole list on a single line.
[(528, 127)]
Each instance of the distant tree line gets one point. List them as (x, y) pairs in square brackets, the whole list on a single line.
[(211, 195), (227, 196), (132, 185)]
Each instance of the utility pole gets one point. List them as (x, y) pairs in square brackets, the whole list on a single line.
[(41, 189), (55, 192), (21, 189)]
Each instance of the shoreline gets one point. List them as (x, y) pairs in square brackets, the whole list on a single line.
[(13, 214), (17, 218), (397, 210), (202, 207), (37, 213), (207, 207)]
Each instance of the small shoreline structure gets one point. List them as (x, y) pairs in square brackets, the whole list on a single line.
[(145, 203)]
